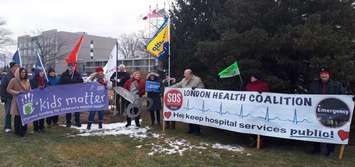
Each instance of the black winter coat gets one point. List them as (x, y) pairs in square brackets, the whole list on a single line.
[(4, 82), (332, 87), (66, 78)]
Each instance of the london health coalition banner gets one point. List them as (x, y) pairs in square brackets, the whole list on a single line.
[(317, 118), (61, 99)]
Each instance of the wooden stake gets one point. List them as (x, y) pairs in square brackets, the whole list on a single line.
[(163, 125), (341, 151), (258, 142)]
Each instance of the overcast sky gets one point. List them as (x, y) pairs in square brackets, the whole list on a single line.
[(97, 17)]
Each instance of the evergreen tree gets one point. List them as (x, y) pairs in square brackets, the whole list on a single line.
[(277, 39)]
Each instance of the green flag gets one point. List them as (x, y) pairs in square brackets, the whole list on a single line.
[(230, 71)]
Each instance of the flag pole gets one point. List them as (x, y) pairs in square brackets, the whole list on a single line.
[(44, 69), (116, 77)]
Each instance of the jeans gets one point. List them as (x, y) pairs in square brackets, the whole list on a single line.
[(7, 108), (92, 116)]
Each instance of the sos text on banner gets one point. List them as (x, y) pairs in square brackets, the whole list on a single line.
[(316, 118), (58, 100)]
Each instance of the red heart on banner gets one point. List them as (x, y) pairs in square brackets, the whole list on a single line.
[(167, 114), (343, 134)]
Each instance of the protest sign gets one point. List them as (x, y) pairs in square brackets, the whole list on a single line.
[(61, 99), (316, 118)]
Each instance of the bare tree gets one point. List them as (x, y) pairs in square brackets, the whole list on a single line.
[(131, 45), (48, 45), (5, 39)]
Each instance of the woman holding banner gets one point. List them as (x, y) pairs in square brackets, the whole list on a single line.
[(53, 80), (38, 81), (99, 77), (18, 85)]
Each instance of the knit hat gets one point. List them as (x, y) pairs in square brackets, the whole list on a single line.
[(99, 69), (324, 70)]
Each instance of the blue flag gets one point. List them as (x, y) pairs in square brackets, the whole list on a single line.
[(17, 57)]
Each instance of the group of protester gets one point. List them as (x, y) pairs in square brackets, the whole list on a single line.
[(17, 82)]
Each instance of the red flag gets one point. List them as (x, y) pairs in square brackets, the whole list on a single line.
[(72, 57)]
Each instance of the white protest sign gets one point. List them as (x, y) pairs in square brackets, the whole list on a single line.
[(317, 118)]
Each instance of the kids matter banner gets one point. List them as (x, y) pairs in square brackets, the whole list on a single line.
[(61, 99), (317, 118)]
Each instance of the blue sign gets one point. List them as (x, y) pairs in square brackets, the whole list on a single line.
[(61, 99), (152, 86)]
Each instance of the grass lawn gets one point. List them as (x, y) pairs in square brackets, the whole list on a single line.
[(57, 147)]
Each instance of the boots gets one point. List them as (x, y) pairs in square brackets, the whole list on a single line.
[(100, 125), (89, 126), (17, 123), (136, 120)]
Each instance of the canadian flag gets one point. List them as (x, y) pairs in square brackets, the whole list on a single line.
[(155, 14)]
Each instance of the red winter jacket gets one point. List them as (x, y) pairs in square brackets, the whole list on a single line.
[(141, 85), (259, 86)]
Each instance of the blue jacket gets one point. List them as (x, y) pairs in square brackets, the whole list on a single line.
[(53, 80)]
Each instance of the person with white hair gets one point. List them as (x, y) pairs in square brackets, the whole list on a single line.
[(119, 79)]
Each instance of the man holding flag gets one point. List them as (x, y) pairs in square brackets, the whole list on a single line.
[(71, 76)]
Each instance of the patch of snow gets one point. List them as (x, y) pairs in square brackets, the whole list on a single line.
[(161, 145), (228, 147), (113, 129)]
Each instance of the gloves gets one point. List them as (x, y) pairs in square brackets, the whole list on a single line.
[(193, 88)]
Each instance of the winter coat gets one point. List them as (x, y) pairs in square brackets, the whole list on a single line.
[(331, 87), (136, 87), (53, 80), (258, 85), (155, 96), (15, 87), (38, 81), (4, 83), (194, 82), (66, 78), (95, 77), (122, 76)]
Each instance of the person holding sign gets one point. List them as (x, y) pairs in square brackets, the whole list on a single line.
[(119, 79), (99, 77), (38, 81), (136, 86), (18, 85), (71, 76), (53, 80), (326, 86), (153, 87), (190, 81), (168, 81), (255, 84)]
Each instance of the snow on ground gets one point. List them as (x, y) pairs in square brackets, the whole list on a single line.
[(113, 129), (161, 145)]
